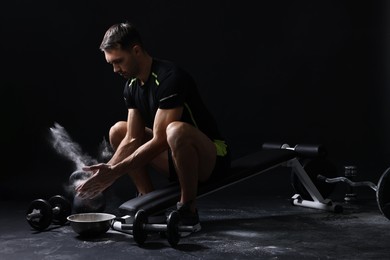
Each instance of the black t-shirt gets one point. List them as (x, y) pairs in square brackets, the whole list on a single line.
[(168, 87)]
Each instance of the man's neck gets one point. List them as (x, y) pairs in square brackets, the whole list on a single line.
[(146, 67)]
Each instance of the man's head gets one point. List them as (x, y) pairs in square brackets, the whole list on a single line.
[(123, 48), (121, 36)]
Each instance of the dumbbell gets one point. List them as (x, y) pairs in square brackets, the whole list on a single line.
[(42, 213), (140, 227), (382, 189)]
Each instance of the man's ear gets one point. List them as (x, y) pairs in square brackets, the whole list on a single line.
[(136, 49)]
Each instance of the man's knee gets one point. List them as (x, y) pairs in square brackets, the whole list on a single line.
[(118, 127), (177, 133), (117, 133)]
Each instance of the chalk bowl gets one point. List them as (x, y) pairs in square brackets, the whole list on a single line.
[(91, 224)]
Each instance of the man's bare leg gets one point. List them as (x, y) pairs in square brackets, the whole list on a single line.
[(140, 177), (194, 156)]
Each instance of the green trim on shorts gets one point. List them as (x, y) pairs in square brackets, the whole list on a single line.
[(219, 144), (221, 147)]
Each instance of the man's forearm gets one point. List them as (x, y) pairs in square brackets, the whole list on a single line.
[(141, 156), (124, 149)]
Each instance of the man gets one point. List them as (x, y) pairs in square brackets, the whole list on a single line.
[(168, 126)]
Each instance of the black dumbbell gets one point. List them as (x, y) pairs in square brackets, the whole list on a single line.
[(42, 213), (140, 228)]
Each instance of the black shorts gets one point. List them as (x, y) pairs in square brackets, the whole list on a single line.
[(221, 168)]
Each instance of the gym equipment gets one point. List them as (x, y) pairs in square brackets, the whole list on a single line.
[(313, 168), (350, 172), (42, 213), (91, 224), (140, 228), (271, 155), (382, 189)]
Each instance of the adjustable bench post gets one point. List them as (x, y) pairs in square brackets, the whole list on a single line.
[(318, 201)]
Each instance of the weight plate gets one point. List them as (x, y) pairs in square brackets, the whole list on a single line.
[(313, 168), (173, 234), (383, 194), (39, 214), (139, 232), (61, 209)]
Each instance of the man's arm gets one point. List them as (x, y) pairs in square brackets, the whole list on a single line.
[(105, 174), (146, 152), (133, 139)]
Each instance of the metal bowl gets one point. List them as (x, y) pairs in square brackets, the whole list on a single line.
[(91, 224)]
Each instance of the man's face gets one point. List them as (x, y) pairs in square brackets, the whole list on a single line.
[(124, 62)]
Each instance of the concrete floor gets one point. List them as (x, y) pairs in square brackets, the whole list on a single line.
[(253, 219)]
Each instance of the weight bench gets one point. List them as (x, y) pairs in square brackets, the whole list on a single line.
[(271, 155)]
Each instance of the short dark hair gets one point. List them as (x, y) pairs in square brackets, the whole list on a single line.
[(121, 36)]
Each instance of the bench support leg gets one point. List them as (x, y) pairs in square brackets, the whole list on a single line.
[(318, 202)]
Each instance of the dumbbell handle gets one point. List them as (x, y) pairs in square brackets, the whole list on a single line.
[(56, 210), (32, 216), (164, 227), (36, 215), (149, 227), (154, 227), (186, 228)]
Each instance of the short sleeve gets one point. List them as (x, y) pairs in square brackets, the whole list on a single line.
[(127, 94), (174, 90)]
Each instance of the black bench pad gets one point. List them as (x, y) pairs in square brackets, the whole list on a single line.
[(241, 168)]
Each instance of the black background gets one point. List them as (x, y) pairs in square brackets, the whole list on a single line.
[(285, 71)]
